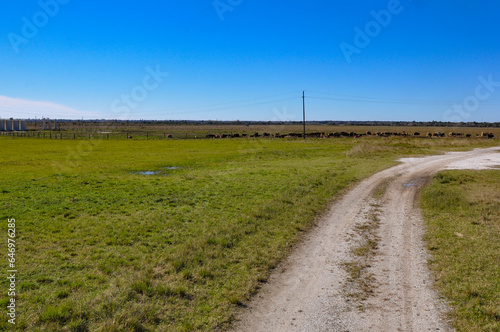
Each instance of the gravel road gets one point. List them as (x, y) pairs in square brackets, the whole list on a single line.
[(309, 291)]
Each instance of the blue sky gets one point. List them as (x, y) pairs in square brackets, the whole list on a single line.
[(419, 60)]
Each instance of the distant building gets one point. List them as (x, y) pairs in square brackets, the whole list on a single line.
[(13, 125), (47, 124)]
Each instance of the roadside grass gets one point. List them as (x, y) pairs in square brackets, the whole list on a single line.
[(101, 247), (462, 212)]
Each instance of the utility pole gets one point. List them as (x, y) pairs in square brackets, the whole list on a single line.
[(304, 112)]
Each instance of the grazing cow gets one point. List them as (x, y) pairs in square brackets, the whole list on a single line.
[(468, 135), (129, 136), (169, 135), (416, 133), (487, 135)]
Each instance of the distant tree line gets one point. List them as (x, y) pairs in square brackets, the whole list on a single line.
[(332, 123)]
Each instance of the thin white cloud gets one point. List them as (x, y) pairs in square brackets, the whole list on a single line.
[(22, 108)]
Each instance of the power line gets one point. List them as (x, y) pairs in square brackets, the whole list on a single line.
[(206, 108), (408, 102), (396, 101), (15, 112), (231, 107), (215, 106)]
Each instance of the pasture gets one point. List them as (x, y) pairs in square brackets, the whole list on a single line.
[(462, 210), (182, 130), (101, 246)]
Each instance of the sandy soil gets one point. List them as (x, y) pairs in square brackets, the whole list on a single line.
[(309, 292)]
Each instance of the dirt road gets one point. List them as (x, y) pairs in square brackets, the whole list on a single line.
[(310, 291)]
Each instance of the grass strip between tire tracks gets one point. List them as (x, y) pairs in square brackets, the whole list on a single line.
[(101, 247)]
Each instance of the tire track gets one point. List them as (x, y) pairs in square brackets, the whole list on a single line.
[(307, 291)]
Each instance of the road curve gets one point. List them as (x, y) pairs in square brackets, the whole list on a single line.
[(307, 292)]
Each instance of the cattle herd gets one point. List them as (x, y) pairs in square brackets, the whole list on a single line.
[(354, 135)]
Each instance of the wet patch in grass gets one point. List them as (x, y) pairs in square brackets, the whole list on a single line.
[(104, 249)]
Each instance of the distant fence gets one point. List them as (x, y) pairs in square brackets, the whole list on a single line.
[(148, 135), (45, 134)]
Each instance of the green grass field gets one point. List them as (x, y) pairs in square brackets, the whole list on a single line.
[(462, 209), (101, 247)]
